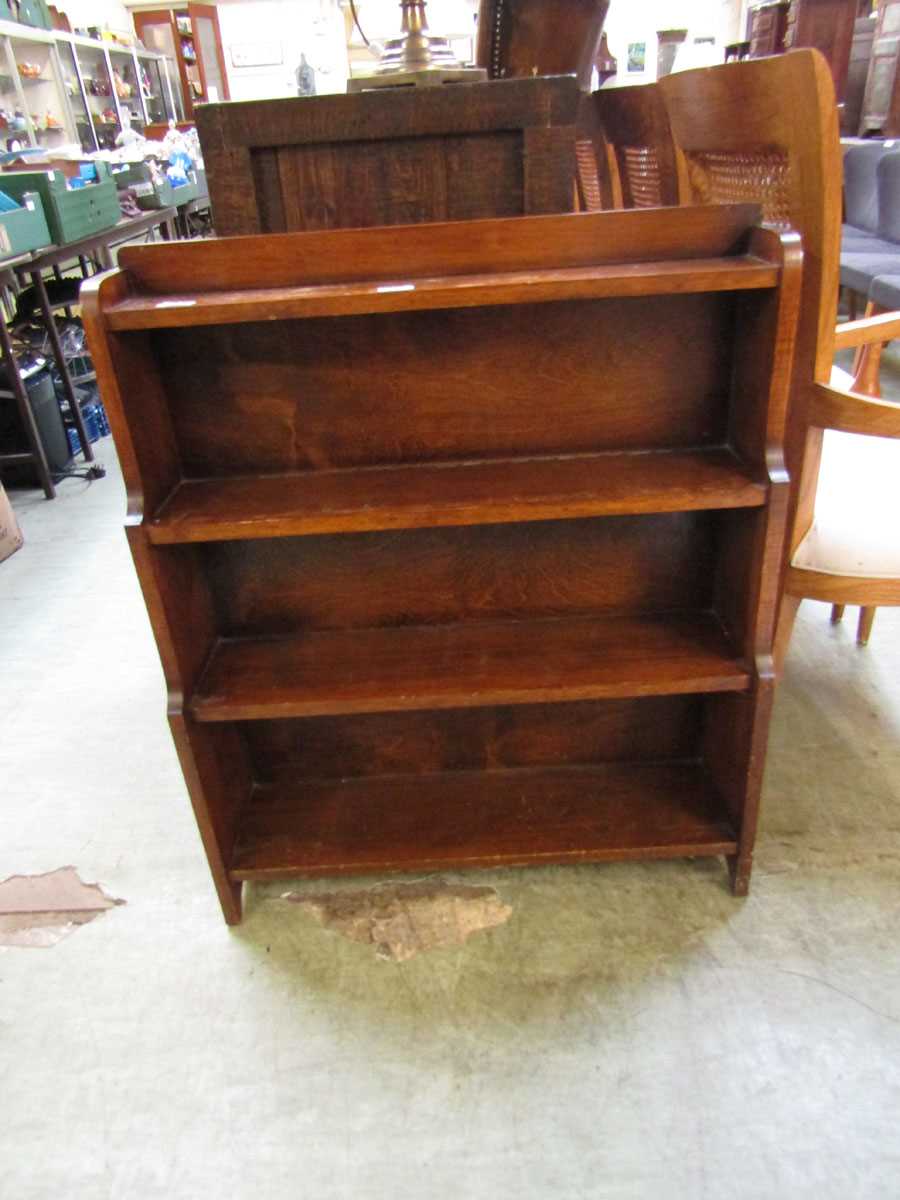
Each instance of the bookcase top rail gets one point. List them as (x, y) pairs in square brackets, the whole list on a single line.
[(483, 247), (736, 273)]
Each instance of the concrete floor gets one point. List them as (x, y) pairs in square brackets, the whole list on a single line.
[(632, 1032)]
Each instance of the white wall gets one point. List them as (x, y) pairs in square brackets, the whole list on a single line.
[(106, 14), (317, 29), (630, 21), (287, 27)]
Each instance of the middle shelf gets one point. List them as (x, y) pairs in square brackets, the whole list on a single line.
[(475, 663), (455, 493)]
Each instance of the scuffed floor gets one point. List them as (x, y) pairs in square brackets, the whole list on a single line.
[(630, 1032)]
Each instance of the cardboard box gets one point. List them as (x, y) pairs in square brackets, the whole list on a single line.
[(10, 533)]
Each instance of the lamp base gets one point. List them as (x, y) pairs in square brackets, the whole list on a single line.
[(429, 77)]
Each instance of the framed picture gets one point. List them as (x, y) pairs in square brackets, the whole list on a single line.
[(637, 54)]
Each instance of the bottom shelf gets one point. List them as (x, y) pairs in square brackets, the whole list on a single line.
[(482, 818)]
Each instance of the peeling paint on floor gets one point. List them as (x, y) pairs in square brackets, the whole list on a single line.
[(405, 919), (38, 911)]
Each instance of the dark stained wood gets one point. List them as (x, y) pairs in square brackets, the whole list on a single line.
[(462, 493), (489, 818), (766, 28), (652, 728), (391, 157), (826, 26), (365, 258), (477, 663), (522, 38), (464, 291), (881, 99), (443, 575), (635, 125), (504, 570), (450, 385), (857, 75)]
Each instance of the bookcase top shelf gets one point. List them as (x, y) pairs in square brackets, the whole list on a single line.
[(596, 282), (443, 265)]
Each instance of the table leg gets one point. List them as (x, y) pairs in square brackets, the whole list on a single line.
[(27, 416), (53, 334), (57, 274)]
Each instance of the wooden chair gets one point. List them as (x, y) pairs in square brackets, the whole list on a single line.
[(767, 130), (523, 38), (636, 125), (391, 157), (597, 183)]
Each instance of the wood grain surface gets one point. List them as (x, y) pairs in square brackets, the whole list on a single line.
[(487, 818), (477, 663)]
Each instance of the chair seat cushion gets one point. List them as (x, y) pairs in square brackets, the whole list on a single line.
[(855, 531), (855, 239), (885, 290), (860, 267)]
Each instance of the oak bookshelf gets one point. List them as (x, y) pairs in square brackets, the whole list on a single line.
[(460, 542)]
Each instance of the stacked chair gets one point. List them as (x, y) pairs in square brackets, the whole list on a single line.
[(766, 130), (870, 250)]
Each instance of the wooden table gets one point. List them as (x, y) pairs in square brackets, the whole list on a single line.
[(97, 246), (36, 454)]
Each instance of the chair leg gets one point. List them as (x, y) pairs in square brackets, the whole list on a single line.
[(866, 617), (851, 304), (867, 362), (787, 615), (837, 612)]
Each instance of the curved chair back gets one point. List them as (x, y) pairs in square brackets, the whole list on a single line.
[(860, 186), (888, 196), (767, 130), (636, 126)]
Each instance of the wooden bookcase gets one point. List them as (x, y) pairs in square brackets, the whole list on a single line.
[(460, 542)]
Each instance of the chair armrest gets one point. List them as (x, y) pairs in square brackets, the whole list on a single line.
[(866, 331), (832, 408)]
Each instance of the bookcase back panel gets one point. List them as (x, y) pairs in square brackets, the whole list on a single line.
[(452, 384), (651, 729), (434, 576)]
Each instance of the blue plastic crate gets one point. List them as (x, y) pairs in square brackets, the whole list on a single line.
[(95, 423)]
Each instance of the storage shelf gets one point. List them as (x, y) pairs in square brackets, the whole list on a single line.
[(511, 817), (464, 493), (733, 273), (472, 664)]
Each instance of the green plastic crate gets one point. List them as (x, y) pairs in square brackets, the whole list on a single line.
[(187, 191), (148, 193), (72, 213), (24, 228), (202, 185)]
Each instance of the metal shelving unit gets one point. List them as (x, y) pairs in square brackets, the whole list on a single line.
[(34, 104), (59, 89)]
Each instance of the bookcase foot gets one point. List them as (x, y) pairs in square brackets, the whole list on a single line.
[(740, 867), (230, 897)]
